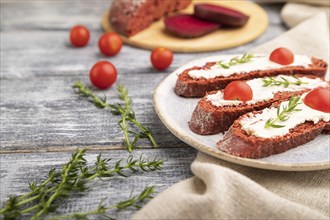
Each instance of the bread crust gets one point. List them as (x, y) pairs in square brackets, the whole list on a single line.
[(132, 16), (189, 87), (208, 119), (236, 142)]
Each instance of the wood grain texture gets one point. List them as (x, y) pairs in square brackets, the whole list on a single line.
[(14, 166), (40, 112), (50, 116), (45, 15)]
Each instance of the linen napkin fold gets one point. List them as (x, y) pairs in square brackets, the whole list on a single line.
[(308, 2), (294, 13), (222, 190)]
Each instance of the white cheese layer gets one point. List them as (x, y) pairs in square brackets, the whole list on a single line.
[(255, 124), (259, 62), (261, 93)]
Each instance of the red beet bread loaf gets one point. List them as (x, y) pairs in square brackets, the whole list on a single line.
[(129, 17), (197, 87), (209, 118), (243, 141)]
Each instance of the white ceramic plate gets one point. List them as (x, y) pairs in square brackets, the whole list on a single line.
[(175, 113)]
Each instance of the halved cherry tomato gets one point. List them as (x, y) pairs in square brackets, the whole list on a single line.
[(238, 90), (79, 36), (282, 56), (103, 74), (110, 44), (318, 99), (161, 58)]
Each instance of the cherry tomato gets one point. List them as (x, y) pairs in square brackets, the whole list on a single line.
[(110, 44), (282, 56), (79, 36), (161, 58), (103, 74), (318, 99), (238, 90)]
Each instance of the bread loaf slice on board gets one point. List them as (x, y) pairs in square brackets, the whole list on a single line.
[(128, 17)]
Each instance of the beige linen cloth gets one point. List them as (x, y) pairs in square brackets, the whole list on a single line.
[(222, 190)]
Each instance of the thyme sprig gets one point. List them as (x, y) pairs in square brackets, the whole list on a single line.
[(236, 60), (283, 113), (73, 177), (270, 81), (101, 210), (41, 196), (102, 167), (124, 110)]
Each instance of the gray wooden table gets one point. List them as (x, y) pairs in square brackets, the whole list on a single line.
[(43, 120)]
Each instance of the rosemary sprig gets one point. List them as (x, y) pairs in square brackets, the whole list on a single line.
[(124, 110), (73, 177), (284, 113), (270, 81), (236, 60), (101, 209)]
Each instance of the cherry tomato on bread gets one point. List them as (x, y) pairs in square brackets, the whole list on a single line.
[(282, 56), (161, 58), (238, 90), (110, 44), (103, 74), (318, 99), (79, 36)]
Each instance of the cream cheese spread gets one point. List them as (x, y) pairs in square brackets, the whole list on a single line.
[(261, 93), (258, 62), (255, 124)]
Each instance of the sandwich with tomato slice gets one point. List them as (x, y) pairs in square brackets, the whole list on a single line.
[(282, 126), (197, 80)]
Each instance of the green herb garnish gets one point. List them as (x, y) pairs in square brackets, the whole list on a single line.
[(124, 110), (283, 114), (73, 177), (101, 210), (270, 81), (236, 60)]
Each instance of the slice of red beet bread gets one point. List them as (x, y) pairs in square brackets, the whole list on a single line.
[(128, 17), (190, 87), (236, 141), (208, 119)]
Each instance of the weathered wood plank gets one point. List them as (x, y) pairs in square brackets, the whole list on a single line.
[(17, 170), (39, 58), (49, 116), (41, 53), (51, 15)]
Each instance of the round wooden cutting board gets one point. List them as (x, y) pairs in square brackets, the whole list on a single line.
[(156, 36)]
